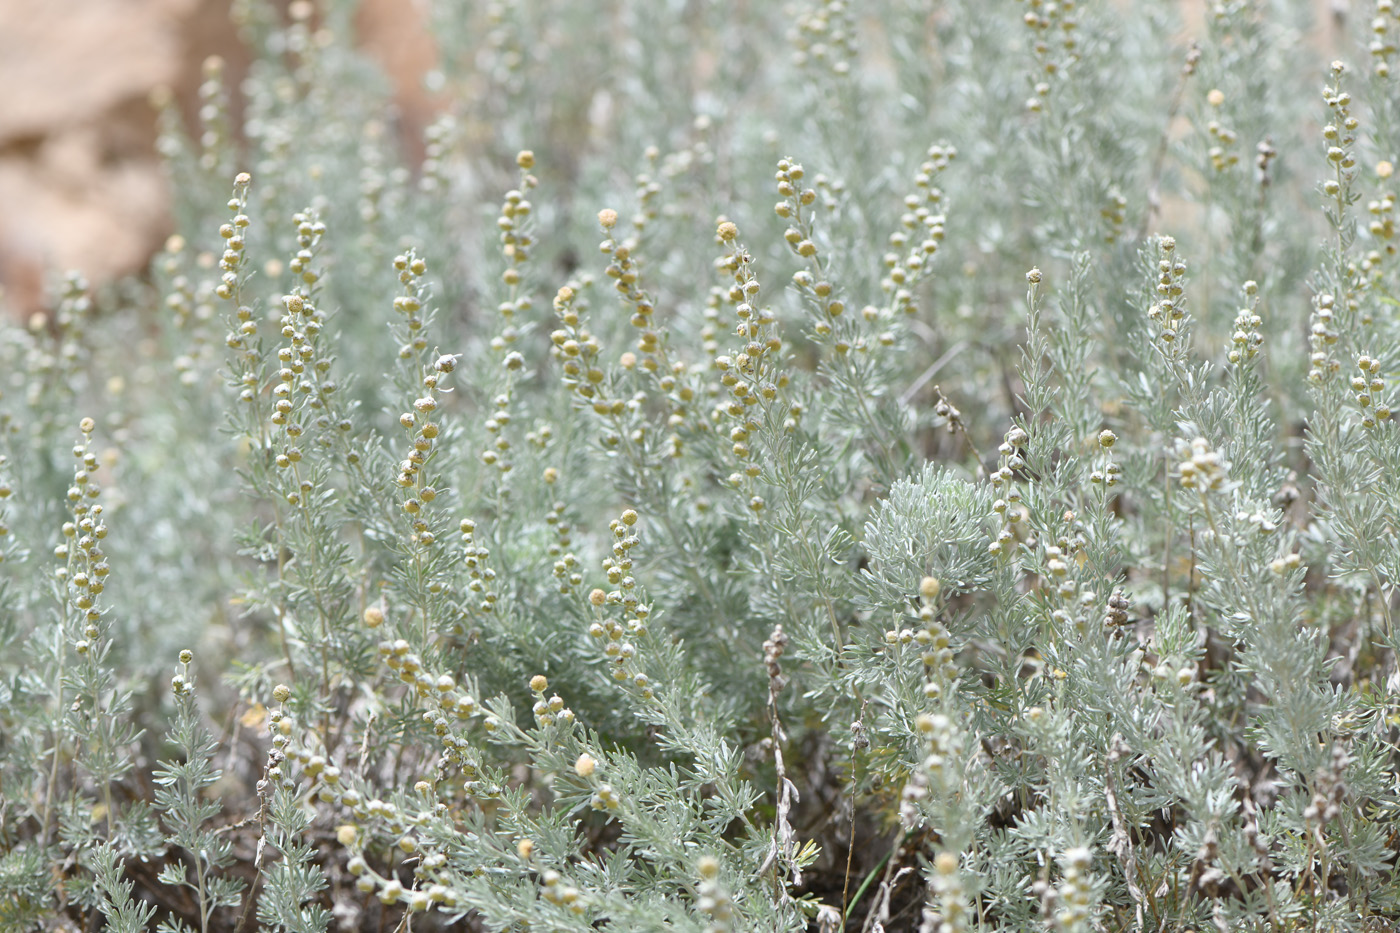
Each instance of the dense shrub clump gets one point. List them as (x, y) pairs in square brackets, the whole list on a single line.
[(822, 466)]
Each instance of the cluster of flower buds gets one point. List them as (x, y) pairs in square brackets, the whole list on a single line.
[(749, 375), (939, 737), (411, 305), (1117, 613), (517, 242), (618, 646), (422, 431), (567, 573), (554, 891), (1366, 386), (448, 706), (232, 263), (1340, 134), (920, 233), (577, 351), (182, 684), (712, 899), (1007, 507), (481, 577), (954, 911), (1247, 339), (1223, 153), (933, 641), (1069, 904), (1053, 28), (624, 268), (1107, 474), (1322, 334), (1202, 468), (1169, 310), (548, 711), (85, 568)]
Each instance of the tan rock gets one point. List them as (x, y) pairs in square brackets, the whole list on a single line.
[(79, 183), (397, 34), (75, 60)]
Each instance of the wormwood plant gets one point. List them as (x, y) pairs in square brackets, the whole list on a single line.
[(904, 466)]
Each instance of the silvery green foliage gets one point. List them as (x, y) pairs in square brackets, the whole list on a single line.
[(929, 524), (124, 914), (182, 789), (764, 468)]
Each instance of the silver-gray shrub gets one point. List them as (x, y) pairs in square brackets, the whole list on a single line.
[(899, 465)]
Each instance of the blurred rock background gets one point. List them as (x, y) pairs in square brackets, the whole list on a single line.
[(81, 186)]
